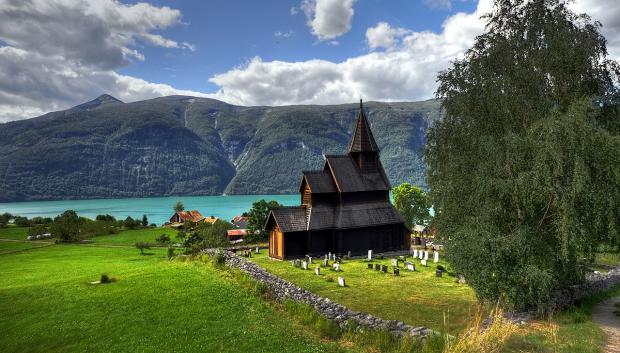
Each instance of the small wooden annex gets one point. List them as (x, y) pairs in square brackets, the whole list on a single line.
[(344, 207)]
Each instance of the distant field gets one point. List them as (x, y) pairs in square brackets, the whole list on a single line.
[(416, 298), (12, 246), (130, 237), (157, 305), (13, 232)]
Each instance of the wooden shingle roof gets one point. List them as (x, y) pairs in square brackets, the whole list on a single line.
[(320, 181), (363, 140), (291, 219), (349, 177)]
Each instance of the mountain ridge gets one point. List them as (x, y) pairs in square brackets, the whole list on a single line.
[(184, 145)]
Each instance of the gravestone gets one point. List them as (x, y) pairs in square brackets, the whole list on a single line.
[(420, 255), (426, 255), (423, 262), (377, 267), (415, 252), (411, 267), (329, 256), (317, 271), (337, 267), (395, 262), (438, 273), (256, 250), (369, 255), (325, 262), (396, 272), (436, 257), (384, 268), (333, 257), (338, 260), (349, 254), (249, 253), (297, 263), (293, 263), (304, 265), (341, 282), (309, 259), (370, 266)]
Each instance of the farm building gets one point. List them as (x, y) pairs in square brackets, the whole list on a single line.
[(344, 207)]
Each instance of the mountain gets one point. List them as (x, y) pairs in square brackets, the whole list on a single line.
[(179, 145)]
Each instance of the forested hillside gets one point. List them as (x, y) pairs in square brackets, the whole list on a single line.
[(180, 145)]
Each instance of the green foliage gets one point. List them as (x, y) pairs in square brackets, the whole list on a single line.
[(207, 235), (37, 229), (5, 218), (257, 218), (41, 220), (170, 253), (106, 279), (130, 223), (178, 207), (145, 221), (66, 226), (523, 170), (105, 218), (142, 246), (90, 228), (412, 203), (163, 239), (21, 221)]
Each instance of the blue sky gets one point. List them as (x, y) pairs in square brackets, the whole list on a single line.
[(229, 33), (55, 54)]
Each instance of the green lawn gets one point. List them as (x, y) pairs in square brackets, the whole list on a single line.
[(130, 237), (48, 305), (13, 246), (12, 232), (416, 298)]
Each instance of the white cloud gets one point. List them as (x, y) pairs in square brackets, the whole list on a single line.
[(58, 53), (286, 34), (439, 4), (407, 72), (384, 36), (608, 13), (328, 19)]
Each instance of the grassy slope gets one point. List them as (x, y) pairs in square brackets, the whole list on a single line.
[(130, 237), (48, 306), (15, 233), (418, 298)]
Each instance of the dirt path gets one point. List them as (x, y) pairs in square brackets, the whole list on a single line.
[(603, 315)]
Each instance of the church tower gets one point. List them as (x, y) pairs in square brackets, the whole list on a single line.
[(363, 148)]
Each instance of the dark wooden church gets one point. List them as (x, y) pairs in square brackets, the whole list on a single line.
[(344, 207)]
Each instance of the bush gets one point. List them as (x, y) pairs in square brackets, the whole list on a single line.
[(66, 226), (218, 258), (142, 246), (163, 239), (105, 218), (170, 252), (106, 279), (441, 268), (130, 223), (22, 221)]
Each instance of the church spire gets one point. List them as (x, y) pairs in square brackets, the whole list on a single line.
[(362, 140)]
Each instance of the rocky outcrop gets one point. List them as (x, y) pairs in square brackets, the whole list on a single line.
[(283, 290)]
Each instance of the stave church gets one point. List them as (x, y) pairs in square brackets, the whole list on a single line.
[(345, 207)]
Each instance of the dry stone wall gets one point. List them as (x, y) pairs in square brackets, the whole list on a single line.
[(283, 290)]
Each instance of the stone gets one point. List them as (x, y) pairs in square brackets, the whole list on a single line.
[(396, 272), (377, 267), (257, 250), (415, 252), (349, 254), (423, 262), (309, 259), (426, 255), (304, 265), (338, 260), (337, 267), (420, 255), (436, 257), (317, 271), (384, 268), (369, 255), (411, 267), (438, 273), (341, 282), (297, 263), (395, 262), (370, 266), (326, 262)]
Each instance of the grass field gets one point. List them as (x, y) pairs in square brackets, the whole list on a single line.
[(14, 233), (416, 298), (156, 305), (13, 246), (130, 237)]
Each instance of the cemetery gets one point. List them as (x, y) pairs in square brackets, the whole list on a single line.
[(390, 287)]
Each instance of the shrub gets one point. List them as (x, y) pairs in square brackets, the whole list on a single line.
[(441, 268), (170, 252), (106, 279), (130, 223), (163, 239), (105, 218), (142, 246), (218, 258), (22, 221)]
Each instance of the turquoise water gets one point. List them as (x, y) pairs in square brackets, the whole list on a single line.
[(157, 209)]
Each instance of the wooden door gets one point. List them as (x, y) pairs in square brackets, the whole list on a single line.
[(276, 243)]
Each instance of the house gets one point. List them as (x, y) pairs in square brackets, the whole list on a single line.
[(344, 207), (183, 216), (236, 234), (210, 219), (240, 222)]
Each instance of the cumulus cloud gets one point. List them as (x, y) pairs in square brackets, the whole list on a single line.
[(439, 4), (406, 72), (57, 53), (328, 19), (384, 36), (607, 12)]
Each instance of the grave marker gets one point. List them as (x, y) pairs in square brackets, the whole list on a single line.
[(377, 267), (337, 267), (426, 255), (438, 273), (256, 250), (369, 255), (395, 262), (341, 282), (415, 252), (423, 262), (384, 268), (317, 271), (411, 267), (304, 265), (396, 272), (370, 266), (349, 254), (436, 256)]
